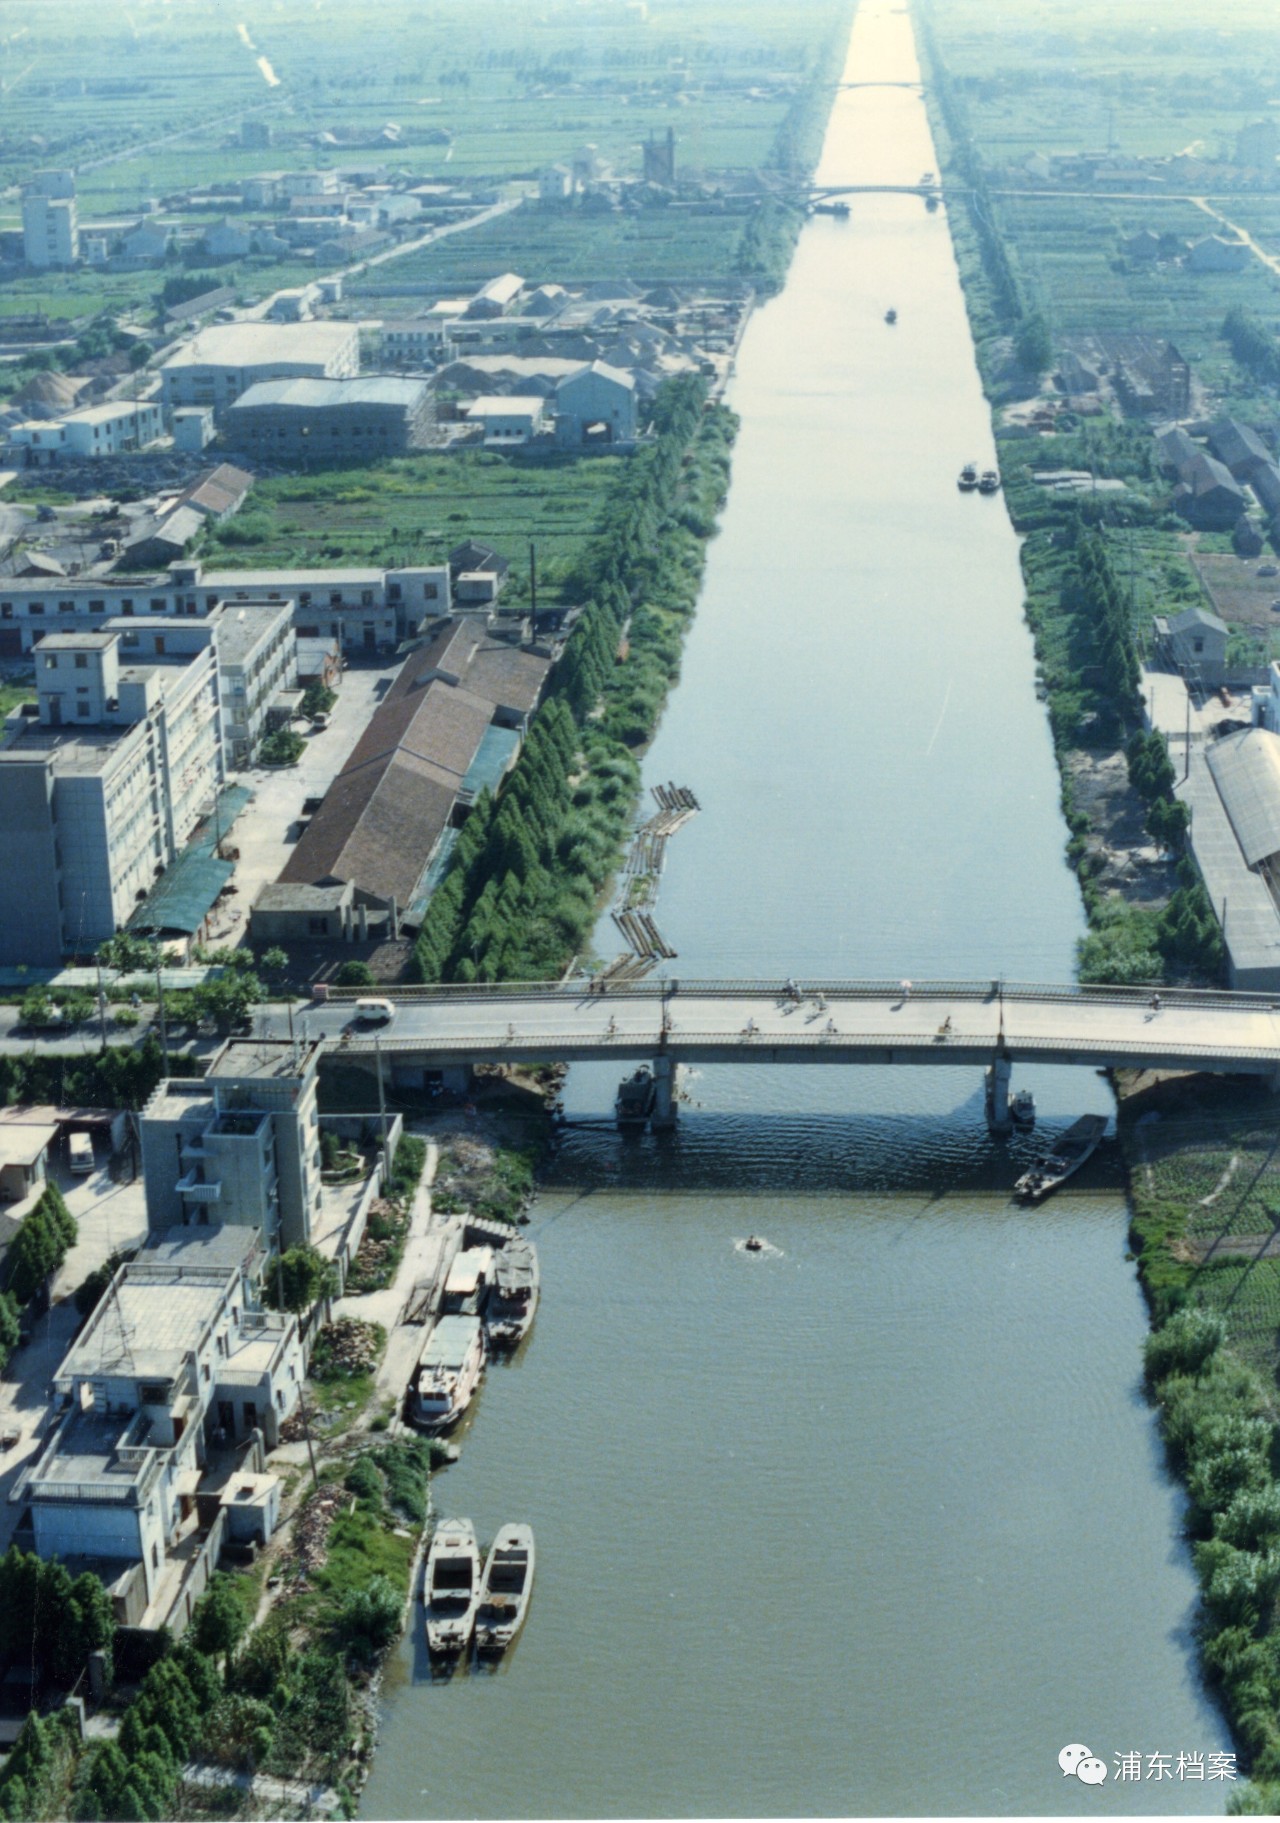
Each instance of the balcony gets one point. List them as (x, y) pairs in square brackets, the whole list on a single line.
[(196, 1192)]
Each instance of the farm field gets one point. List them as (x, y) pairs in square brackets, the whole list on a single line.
[(169, 86), (414, 510), (564, 246)]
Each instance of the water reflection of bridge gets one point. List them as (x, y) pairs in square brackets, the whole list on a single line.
[(926, 1023)]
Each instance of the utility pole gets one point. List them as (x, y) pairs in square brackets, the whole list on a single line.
[(1187, 769), (102, 1004), (533, 590), (382, 1114), (164, 1036)]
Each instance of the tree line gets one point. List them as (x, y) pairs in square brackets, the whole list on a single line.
[(528, 866)]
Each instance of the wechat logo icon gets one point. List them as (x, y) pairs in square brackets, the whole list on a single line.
[(1077, 1762)]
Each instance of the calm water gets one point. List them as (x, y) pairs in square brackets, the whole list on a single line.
[(876, 1523)]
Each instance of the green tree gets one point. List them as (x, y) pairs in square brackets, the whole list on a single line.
[(218, 1620), (355, 974), (10, 1327), (300, 1278), (369, 1619)]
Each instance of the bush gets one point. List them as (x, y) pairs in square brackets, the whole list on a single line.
[(1184, 1345), (284, 747), (355, 974), (369, 1619)]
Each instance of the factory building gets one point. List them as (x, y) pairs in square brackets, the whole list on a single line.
[(222, 362), (349, 420)]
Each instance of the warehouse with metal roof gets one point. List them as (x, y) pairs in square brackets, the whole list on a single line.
[(324, 420)]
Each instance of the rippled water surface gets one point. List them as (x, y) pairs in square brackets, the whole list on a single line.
[(875, 1522)]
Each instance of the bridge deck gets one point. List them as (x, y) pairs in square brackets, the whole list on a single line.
[(876, 1023)]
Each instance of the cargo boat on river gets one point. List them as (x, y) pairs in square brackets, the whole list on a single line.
[(1077, 1144), (448, 1372), (514, 1297)]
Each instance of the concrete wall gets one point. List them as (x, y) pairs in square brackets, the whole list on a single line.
[(30, 915)]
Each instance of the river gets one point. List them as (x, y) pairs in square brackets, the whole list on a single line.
[(878, 1522)]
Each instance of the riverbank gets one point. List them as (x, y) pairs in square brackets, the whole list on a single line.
[(1199, 1151)]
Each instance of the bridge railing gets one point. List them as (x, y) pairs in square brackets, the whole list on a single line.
[(988, 988)]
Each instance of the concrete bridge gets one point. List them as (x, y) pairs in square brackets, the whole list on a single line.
[(926, 1023), (818, 192)]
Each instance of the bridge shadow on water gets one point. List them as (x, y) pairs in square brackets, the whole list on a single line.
[(710, 1154)]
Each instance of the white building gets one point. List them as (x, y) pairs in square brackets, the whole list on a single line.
[(506, 422), (50, 230), (239, 1147), (82, 436), (367, 609), (223, 361), (99, 792), (176, 1365)]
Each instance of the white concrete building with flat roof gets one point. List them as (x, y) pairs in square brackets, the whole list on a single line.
[(50, 228), (225, 360), (99, 790), (507, 421), (367, 609), (239, 1147), (176, 1367), (83, 436)]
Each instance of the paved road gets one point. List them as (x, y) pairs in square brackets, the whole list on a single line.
[(710, 1022)]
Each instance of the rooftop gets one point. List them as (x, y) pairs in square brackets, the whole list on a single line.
[(276, 1058), (315, 394), (144, 1327), (242, 625), (261, 344)]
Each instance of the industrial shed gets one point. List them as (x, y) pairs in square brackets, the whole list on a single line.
[(307, 421)]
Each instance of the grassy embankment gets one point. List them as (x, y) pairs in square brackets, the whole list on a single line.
[(1205, 1195)]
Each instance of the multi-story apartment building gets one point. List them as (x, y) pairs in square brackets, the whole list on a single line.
[(366, 609), (50, 230), (176, 1366), (255, 650), (99, 789), (240, 1147), (225, 360)]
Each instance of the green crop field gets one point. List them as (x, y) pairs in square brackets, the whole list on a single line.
[(160, 91), (564, 246), (414, 510)]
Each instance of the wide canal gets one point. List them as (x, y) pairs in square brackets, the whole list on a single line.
[(877, 1522)]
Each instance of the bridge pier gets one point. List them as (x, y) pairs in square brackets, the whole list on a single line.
[(999, 1073), (663, 1117)]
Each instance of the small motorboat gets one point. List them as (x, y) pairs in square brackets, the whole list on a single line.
[(890, 316), (1077, 1144), (451, 1588), (505, 1590), (968, 478), (635, 1099), (753, 1244), (988, 481), (1022, 1110)]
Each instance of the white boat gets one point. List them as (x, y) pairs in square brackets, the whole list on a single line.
[(469, 1278), (448, 1372), (505, 1591), (514, 1297), (451, 1587)]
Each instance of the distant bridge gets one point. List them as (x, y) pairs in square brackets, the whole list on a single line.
[(666, 1023), (921, 189)]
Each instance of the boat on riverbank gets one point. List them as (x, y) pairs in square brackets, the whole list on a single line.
[(468, 1283), (968, 478), (1076, 1145), (505, 1591), (451, 1588), (514, 1296), (988, 481), (448, 1372)]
